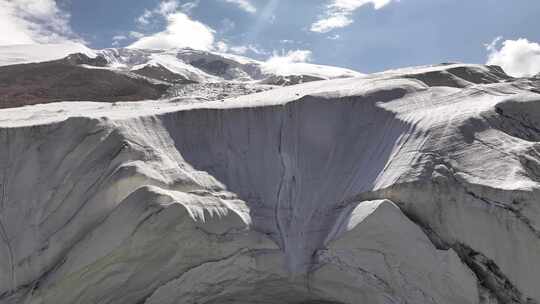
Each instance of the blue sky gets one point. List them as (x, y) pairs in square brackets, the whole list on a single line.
[(365, 35)]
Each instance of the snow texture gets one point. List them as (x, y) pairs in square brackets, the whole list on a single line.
[(417, 185)]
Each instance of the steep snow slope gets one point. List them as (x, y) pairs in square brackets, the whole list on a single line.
[(411, 186)]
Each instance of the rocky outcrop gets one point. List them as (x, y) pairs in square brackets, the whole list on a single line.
[(83, 59), (411, 186), (68, 80)]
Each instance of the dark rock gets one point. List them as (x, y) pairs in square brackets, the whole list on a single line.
[(79, 59), (64, 80)]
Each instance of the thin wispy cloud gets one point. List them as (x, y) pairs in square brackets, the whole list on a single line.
[(227, 25), (117, 39), (339, 14), (31, 22), (167, 7), (245, 5), (144, 19), (164, 9), (189, 6), (135, 34), (248, 49), (292, 56)]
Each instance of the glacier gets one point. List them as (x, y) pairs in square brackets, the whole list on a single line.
[(416, 185)]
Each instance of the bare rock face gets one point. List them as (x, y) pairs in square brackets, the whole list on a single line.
[(418, 185), (67, 80)]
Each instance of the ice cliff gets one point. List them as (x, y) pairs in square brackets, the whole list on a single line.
[(418, 185)]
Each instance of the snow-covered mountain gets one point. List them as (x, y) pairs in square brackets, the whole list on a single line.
[(416, 185), (195, 65), (132, 74), (205, 66)]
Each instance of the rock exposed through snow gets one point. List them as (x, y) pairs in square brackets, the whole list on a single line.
[(49, 73), (67, 80)]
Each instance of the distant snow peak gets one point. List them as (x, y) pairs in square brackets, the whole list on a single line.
[(208, 66), (159, 74)]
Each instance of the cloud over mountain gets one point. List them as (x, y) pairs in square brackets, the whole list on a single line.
[(518, 58)]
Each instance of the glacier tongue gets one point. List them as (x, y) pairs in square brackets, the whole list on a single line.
[(410, 186)]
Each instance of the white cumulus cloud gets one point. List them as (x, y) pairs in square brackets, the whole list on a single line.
[(180, 30), (519, 58), (339, 13), (33, 22), (293, 56)]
